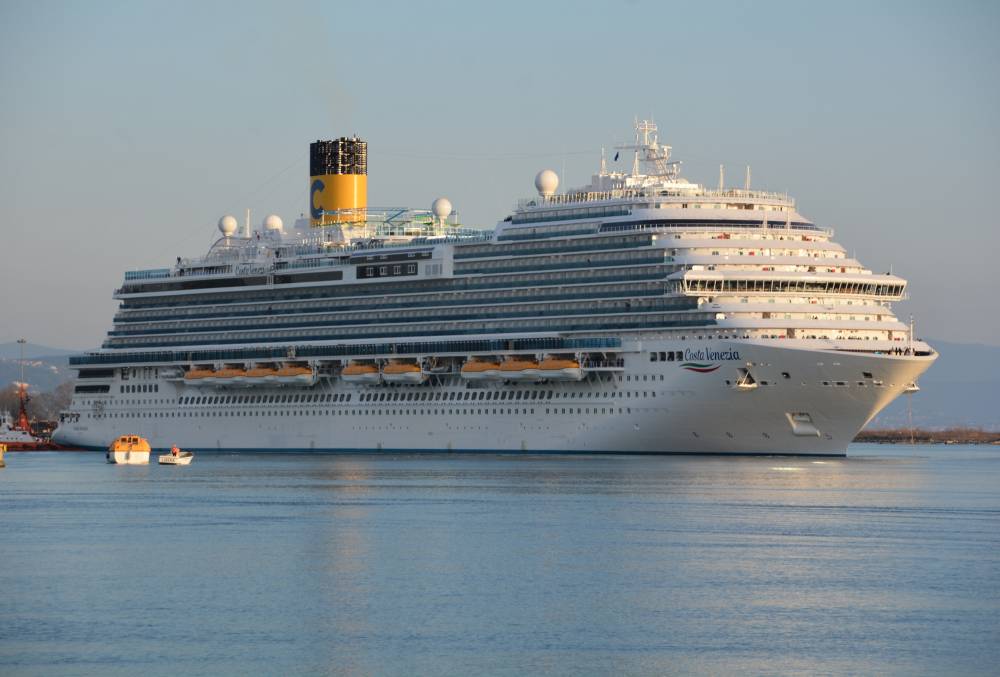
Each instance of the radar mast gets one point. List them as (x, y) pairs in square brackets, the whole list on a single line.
[(651, 153)]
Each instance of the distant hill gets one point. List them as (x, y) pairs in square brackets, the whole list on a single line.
[(42, 374), (12, 350), (960, 389), (44, 367)]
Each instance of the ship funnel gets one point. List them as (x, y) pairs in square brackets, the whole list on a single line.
[(338, 184)]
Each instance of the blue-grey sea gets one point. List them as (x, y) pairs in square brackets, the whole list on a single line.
[(887, 562)]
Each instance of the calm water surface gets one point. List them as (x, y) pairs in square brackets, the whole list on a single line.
[(886, 562)]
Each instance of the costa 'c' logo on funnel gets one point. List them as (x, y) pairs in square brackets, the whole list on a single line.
[(317, 187)]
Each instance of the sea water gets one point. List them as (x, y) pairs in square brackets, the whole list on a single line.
[(886, 562)]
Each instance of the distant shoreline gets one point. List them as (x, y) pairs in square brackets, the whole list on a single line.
[(919, 436)]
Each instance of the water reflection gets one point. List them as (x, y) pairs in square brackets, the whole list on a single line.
[(503, 564)]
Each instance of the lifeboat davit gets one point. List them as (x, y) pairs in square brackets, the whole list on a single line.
[(200, 377), (231, 376), (296, 375), (259, 376), (403, 372), (360, 373), (520, 369), (481, 370), (560, 369)]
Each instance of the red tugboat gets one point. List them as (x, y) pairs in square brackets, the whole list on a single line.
[(16, 434)]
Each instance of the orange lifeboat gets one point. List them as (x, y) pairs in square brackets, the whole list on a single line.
[(261, 375), (560, 369), (481, 370), (128, 450), (519, 369), (296, 374), (399, 371), (200, 377), (230, 376), (357, 372)]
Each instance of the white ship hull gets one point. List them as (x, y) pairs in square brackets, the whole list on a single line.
[(649, 407)]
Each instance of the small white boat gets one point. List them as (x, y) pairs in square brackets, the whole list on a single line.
[(176, 457)]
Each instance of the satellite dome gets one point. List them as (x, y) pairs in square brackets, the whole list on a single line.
[(228, 225), (273, 223), (546, 182), (441, 208)]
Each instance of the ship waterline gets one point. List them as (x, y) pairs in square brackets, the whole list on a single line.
[(639, 314)]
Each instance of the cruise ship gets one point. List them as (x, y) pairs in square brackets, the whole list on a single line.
[(642, 313)]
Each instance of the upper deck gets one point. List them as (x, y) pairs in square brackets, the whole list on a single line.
[(630, 254), (652, 197)]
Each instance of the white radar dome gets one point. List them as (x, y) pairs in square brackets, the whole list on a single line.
[(441, 208), (228, 225), (546, 182), (273, 222)]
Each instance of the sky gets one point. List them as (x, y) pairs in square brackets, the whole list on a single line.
[(128, 128)]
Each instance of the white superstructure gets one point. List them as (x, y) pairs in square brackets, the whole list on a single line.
[(639, 314)]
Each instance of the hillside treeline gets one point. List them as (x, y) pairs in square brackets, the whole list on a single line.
[(947, 436), (43, 406)]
